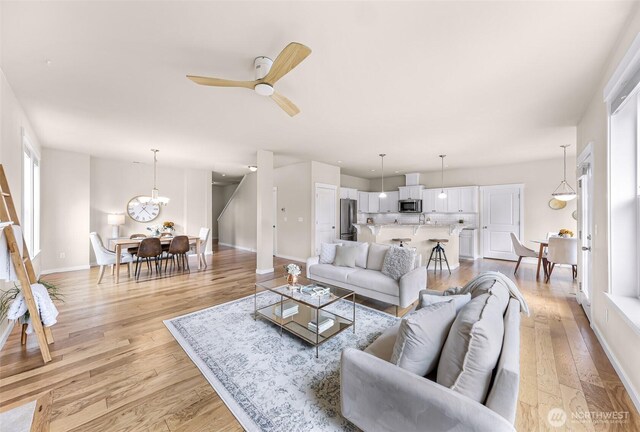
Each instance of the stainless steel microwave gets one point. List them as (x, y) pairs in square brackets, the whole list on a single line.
[(410, 206)]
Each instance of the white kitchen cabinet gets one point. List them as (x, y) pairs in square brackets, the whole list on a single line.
[(390, 203), (374, 202), (431, 203), (453, 200), (469, 199), (363, 202), (410, 192), (468, 243), (348, 193)]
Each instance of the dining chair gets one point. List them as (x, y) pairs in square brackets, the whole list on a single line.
[(177, 252), (150, 248), (204, 238), (105, 257), (165, 246), (561, 251), (521, 250), (134, 250)]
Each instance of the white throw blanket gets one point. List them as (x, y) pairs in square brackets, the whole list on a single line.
[(7, 270), (490, 276), (47, 310)]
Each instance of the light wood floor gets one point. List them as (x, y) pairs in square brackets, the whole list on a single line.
[(115, 366)]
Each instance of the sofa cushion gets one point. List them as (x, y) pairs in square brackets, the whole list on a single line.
[(345, 256), (421, 336), (328, 252), (329, 271), (398, 261), (374, 280), (473, 346), (377, 252), (382, 347), (362, 254), (458, 300)]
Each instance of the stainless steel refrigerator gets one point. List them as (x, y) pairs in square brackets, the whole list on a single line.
[(348, 216)]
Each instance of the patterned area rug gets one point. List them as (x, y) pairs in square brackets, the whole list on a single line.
[(272, 382), (18, 419)]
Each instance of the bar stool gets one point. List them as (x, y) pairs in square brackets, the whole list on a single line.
[(438, 255)]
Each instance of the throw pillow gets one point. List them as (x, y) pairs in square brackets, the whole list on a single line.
[(361, 255), (473, 347), (458, 300), (328, 252), (377, 252), (397, 262), (345, 256), (421, 336)]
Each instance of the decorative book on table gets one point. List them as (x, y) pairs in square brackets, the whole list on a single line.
[(288, 309), (325, 324)]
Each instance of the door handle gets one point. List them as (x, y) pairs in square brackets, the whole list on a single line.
[(484, 227), (586, 248)]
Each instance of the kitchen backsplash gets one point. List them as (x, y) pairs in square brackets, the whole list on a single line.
[(404, 218)]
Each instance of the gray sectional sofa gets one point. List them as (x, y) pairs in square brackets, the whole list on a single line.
[(377, 395), (366, 278)]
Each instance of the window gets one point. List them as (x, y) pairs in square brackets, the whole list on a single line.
[(30, 197)]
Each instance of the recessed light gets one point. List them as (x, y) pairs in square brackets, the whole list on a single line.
[(339, 161), (48, 62), (397, 172), (253, 168), (373, 170), (224, 175)]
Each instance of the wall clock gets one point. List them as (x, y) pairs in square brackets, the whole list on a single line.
[(142, 212)]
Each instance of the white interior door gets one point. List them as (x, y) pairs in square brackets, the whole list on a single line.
[(500, 217), (325, 215), (585, 222), (275, 221)]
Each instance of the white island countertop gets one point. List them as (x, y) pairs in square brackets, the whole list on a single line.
[(454, 228)]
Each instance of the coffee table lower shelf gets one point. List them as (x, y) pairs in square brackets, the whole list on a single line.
[(297, 324)]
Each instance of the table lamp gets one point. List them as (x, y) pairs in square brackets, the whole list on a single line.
[(116, 220)]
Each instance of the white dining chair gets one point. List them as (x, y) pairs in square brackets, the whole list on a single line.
[(561, 251), (204, 238), (521, 250), (105, 257)]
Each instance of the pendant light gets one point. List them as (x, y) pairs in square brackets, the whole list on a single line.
[(382, 194), (154, 198), (564, 192), (442, 194)]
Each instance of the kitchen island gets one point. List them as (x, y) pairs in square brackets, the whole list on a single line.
[(419, 235)]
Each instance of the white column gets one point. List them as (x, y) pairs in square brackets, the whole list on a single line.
[(264, 209)]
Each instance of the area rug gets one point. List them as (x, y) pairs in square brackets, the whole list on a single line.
[(18, 419), (272, 382)]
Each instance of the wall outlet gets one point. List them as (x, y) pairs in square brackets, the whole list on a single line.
[(61, 255), (285, 218), (300, 219)]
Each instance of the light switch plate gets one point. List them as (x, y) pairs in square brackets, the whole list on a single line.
[(300, 219)]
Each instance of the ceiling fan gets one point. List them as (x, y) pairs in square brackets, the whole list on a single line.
[(268, 72)]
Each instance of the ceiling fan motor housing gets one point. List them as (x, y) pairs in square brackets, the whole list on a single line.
[(262, 66)]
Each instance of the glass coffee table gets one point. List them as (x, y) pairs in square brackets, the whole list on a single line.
[(299, 307)]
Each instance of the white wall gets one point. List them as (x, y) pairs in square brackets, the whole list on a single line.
[(220, 195), (621, 340), (66, 197), (237, 224), (539, 177), (362, 184), (293, 236), (12, 122)]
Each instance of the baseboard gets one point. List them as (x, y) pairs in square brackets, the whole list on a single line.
[(264, 271), (65, 269), (292, 258), (237, 247), (6, 333), (633, 394), (444, 266)]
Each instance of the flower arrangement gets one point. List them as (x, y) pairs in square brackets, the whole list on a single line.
[(565, 233), (293, 269), (168, 226)]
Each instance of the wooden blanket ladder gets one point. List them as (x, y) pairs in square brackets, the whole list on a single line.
[(23, 266)]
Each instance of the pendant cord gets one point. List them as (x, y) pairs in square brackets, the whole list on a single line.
[(155, 161), (565, 163)]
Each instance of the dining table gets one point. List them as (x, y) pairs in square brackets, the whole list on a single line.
[(119, 243), (543, 244)]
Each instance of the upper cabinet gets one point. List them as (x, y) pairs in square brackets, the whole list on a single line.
[(348, 193), (363, 202), (410, 192), (390, 203), (458, 200), (374, 202)]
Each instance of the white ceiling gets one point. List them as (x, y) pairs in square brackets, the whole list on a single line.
[(484, 82)]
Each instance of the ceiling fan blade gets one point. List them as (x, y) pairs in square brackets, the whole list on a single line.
[(290, 57), (219, 82), (285, 104)]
